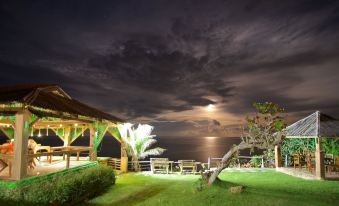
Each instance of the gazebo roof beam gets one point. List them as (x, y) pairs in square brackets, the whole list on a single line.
[(51, 123), (6, 122)]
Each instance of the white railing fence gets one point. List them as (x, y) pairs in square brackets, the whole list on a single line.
[(212, 162)]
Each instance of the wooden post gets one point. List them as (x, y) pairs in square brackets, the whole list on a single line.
[(67, 141), (262, 162), (68, 156), (277, 156), (209, 163), (124, 158), (319, 160), (93, 153), (21, 133)]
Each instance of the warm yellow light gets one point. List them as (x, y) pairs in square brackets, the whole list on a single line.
[(210, 108), (76, 125), (60, 125), (210, 137)]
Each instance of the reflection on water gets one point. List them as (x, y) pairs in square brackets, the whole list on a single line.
[(197, 148)]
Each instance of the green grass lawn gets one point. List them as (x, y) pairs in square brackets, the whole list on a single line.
[(262, 188)]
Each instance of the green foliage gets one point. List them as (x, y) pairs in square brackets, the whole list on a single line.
[(268, 108), (292, 146), (269, 158), (72, 187), (264, 129), (138, 142), (255, 161), (331, 146)]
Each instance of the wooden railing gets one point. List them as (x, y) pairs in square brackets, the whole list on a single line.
[(115, 163)]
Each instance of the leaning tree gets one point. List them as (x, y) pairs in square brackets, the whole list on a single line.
[(264, 130)]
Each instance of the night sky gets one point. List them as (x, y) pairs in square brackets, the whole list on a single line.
[(190, 68)]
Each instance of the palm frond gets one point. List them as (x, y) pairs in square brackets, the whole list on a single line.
[(154, 151), (147, 144), (139, 140)]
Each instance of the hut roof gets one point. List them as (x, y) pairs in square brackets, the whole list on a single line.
[(314, 125), (50, 97)]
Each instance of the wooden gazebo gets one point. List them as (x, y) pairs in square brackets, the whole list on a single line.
[(316, 126), (24, 109)]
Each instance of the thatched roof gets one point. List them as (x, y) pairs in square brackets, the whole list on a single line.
[(314, 125), (40, 99)]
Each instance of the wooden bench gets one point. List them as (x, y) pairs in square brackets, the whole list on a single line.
[(159, 165), (187, 166)]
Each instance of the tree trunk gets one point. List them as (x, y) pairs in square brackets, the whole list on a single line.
[(226, 160), (135, 163)]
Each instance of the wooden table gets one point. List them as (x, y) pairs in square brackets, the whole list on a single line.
[(68, 151)]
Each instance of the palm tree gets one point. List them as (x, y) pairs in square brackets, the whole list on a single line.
[(139, 142)]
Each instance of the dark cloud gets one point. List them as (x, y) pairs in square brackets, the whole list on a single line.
[(163, 59)]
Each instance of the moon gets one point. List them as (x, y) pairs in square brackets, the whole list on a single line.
[(210, 107)]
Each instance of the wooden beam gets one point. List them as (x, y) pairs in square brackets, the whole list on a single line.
[(55, 131), (64, 123), (93, 154), (4, 132), (78, 135), (21, 133), (67, 138), (32, 123), (123, 158), (5, 122), (319, 160), (277, 156), (114, 136)]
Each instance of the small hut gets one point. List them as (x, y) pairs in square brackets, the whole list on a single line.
[(316, 126), (25, 109)]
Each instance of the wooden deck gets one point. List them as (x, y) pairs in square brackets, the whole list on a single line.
[(44, 166)]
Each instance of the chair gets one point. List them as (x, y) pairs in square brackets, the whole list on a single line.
[(38, 148), (31, 160), (296, 161), (159, 165), (7, 149), (310, 159), (329, 164), (187, 166)]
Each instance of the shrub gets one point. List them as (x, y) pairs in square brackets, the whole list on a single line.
[(255, 161), (66, 188), (269, 157)]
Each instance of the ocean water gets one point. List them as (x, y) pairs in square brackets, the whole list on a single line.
[(196, 148)]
